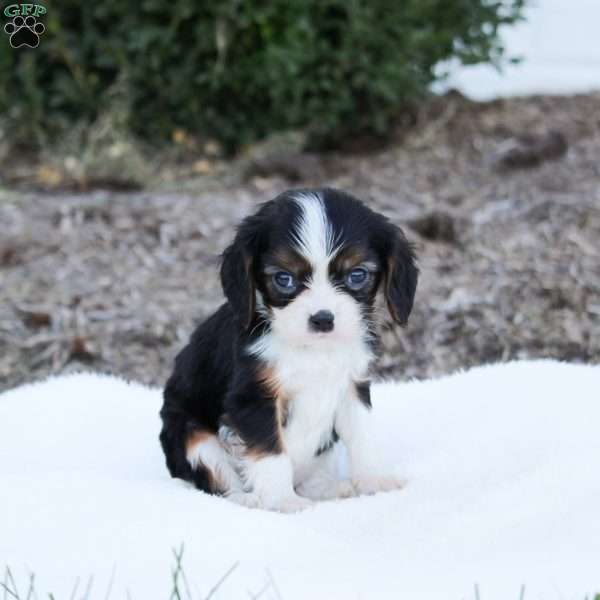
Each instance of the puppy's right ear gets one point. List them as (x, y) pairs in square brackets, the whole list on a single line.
[(238, 281), (401, 275)]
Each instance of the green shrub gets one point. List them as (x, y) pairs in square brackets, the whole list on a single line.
[(236, 70)]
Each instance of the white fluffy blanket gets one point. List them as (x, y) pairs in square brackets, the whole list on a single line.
[(503, 489)]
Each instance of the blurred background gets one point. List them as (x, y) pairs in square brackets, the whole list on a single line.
[(134, 137)]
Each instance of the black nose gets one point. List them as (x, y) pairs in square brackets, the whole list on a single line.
[(321, 321)]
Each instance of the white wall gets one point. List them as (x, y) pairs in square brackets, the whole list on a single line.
[(560, 45)]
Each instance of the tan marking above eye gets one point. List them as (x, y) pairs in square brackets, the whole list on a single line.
[(285, 260), (273, 269), (348, 259), (353, 258), (370, 266)]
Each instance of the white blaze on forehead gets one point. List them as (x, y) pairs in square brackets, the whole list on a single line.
[(314, 238)]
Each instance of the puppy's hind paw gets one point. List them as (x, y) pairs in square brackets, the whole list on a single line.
[(371, 484), (293, 504), (327, 490)]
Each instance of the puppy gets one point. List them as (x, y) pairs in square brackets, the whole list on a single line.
[(279, 373)]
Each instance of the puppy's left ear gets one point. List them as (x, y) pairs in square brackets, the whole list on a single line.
[(401, 275), (238, 281)]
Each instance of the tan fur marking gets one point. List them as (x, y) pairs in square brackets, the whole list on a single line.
[(256, 454), (292, 262), (268, 378), (194, 439), (252, 287), (349, 258), (391, 265)]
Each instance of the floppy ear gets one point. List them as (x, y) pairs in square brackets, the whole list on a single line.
[(401, 275), (238, 281)]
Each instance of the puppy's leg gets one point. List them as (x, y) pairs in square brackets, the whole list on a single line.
[(322, 482), (255, 414), (271, 478), (355, 427), (206, 455)]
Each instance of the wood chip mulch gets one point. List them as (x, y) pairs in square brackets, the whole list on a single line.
[(509, 251)]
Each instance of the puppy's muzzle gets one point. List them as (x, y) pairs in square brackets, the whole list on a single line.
[(321, 321)]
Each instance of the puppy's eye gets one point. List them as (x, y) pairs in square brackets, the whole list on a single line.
[(357, 278), (285, 281)]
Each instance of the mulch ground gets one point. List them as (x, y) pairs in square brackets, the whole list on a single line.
[(501, 199)]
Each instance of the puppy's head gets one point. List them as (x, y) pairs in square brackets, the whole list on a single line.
[(310, 263)]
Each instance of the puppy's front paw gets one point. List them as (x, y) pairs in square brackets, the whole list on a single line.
[(292, 504), (345, 489), (372, 484)]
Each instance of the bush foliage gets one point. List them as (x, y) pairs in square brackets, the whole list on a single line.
[(236, 70)]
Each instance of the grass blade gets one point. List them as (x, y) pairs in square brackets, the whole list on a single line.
[(220, 582)]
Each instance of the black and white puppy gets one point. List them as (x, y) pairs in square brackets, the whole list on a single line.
[(279, 373)]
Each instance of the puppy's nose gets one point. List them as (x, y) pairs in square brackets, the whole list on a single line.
[(321, 321)]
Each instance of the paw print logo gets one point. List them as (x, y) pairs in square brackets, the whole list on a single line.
[(24, 31)]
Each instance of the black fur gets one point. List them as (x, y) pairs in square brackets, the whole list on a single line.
[(400, 277), (363, 390), (214, 380), (331, 442)]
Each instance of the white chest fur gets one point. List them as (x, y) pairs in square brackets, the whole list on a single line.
[(311, 419), (315, 382)]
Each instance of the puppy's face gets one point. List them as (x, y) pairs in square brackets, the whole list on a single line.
[(310, 263)]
